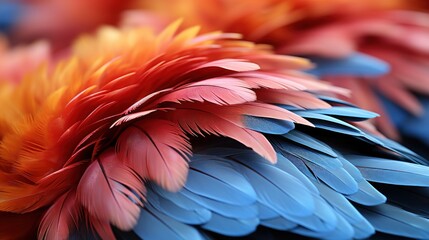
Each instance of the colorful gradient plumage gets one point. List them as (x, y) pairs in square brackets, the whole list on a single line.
[(178, 136), (335, 30)]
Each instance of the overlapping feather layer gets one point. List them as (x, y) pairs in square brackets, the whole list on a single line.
[(80, 142)]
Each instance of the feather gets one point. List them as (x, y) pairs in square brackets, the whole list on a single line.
[(30, 197), (305, 153), (212, 90), (270, 81), (342, 230), (156, 150), (226, 184), (286, 165), (328, 169), (60, 218), (265, 212), (144, 100), (367, 195), (390, 171), (348, 113), (207, 122), (323, 219), (269, 111), (236, 65), (330, 124), (268, 125), (154, 225), (237, 211), (310, 142), (230, 226), (338, 179), (393, 220), (121, 190), (356, 64), (297, 99), (277, 189), (167, 206), (278, 223), (343, 207)]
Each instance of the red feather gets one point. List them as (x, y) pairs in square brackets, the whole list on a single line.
[(104, 191), (60, 217)]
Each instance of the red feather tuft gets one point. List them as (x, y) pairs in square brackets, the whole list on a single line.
[(60, 217), (110, 191), (156, 150)]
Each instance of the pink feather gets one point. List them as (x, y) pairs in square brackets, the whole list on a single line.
[(104, 191), (156, 150), (59, 218), (204, 122), (236, 65), (222, 91)]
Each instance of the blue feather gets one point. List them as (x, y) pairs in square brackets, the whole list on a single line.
[(391, 172), (330, 123), (393, 220), (306, 154), (328, 169), (278, 223), (356, 64), (324, 218), (265, 212), (367, 195), (179, 199), (230, 226), (286, 165), (155, 225), (343, 207), (310, 142), (168, 207), (275, 188), (342, 230), (217, 180), (348, 113), (268, 125), (225, 209), (338, 179)]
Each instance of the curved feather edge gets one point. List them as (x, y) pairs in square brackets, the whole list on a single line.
[(391, 171), (394, 220), (155, 225)]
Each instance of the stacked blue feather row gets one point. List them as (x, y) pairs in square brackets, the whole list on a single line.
[(329, 182)]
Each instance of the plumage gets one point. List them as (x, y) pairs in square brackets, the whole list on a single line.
[(176, 135)]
